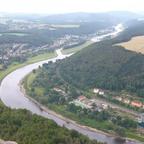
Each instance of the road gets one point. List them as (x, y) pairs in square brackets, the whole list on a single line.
[(115, 106)]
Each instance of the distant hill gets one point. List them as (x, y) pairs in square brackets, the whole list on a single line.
[(109, 17)]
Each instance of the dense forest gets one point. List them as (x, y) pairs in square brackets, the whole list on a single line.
[(27, 128), (107, 66)]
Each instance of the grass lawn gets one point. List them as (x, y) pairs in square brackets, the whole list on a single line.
[(27, 82), (14, 34), (31, 60), (77, 48), (135, 136), (29, 79), (65, 25)]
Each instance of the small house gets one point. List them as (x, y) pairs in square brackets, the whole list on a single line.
[(96, 91), (126, 101), (81, 98), (101, 92), (136, 104), (119, 98)]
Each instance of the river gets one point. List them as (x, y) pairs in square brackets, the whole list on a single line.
[(117, 29), (13, 97)]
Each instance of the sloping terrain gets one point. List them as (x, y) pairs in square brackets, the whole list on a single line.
[(26, 128), (107, 66)]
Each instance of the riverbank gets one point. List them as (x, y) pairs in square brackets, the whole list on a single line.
[(67, 120), (70, 120), (41, 57), (31, 60)]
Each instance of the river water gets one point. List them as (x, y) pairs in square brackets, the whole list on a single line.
[(12, 96)]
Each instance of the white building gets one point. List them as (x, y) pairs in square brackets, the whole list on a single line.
[(96, 91), (119, 98), (126, 101), (101, 92)]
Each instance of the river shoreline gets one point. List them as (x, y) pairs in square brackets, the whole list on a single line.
[(67, 120)]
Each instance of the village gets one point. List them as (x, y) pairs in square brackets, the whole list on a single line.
[(98, 105), (99, 92), (22, 50), (91, 104)]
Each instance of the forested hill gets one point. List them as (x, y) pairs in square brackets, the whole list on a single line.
[(112, 17), (24, 128), (107, 66)]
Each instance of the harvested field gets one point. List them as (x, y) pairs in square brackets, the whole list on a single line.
[(135, 44)]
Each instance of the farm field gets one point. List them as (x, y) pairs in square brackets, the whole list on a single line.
[(65, 25), (14, 34), (135, 44)]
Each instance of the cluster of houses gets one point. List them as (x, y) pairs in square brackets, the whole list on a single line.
[(14, 50), (133, 103), (91, 104), (98, 91), (68, 41)]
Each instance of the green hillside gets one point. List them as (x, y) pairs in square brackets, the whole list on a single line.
[(107, 66), (24, 128)]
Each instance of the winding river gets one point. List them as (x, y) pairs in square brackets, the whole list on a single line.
[(13, 97)]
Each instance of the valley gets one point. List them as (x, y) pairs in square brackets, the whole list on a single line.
[(86, 75)]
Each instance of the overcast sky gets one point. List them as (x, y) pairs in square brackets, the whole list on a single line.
[(66, 6)]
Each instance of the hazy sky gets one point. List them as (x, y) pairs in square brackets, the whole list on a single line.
[(64, 6)]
